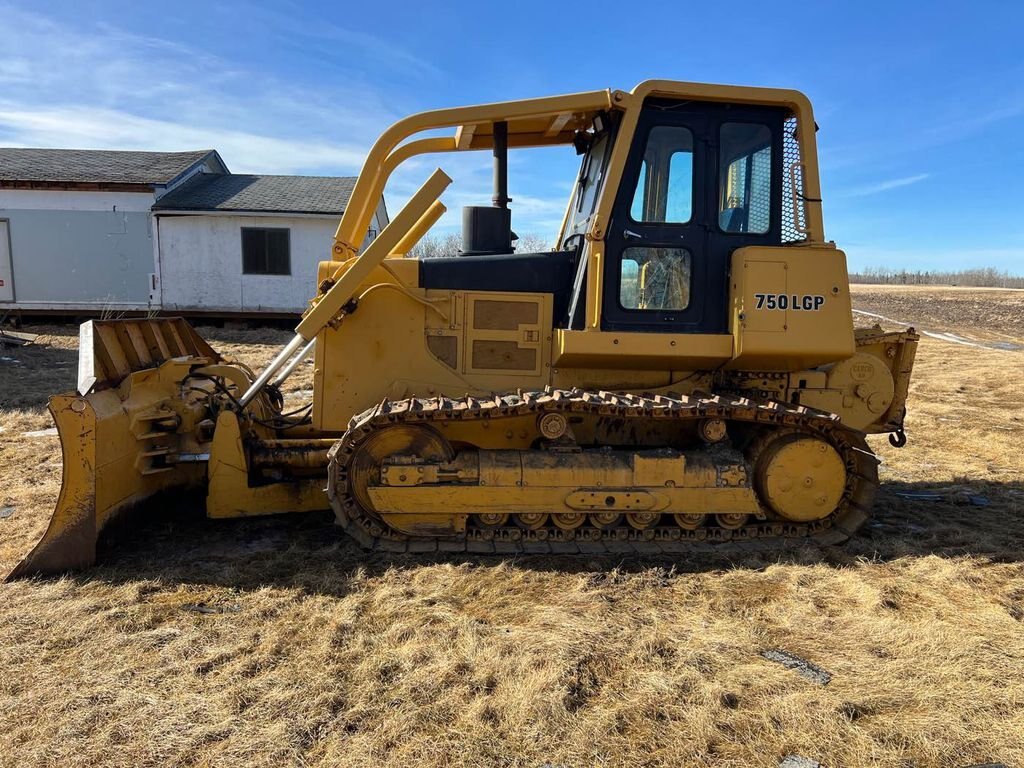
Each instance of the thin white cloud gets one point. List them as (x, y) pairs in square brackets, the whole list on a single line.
[(885, 186), (102, 87), (967, 125), (244, 152), (328, 39)]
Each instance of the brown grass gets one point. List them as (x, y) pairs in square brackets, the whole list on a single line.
[(277, 642)]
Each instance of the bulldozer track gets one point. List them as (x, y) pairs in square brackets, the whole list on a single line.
[(771, 416)]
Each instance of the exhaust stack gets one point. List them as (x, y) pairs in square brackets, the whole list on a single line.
[(487, 230)]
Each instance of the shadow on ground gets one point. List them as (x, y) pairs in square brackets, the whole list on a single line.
[(982, 519), (30, 374)]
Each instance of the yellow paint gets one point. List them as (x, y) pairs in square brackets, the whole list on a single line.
[(420, 228), (803, 479), (229, 493), (115, 444), (330, 303), (868, 389), (790, 308), (380, 335), (542, 482), (620, 349), (528, 122), (438, 501)]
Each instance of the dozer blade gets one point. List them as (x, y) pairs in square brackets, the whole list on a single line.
[(127, 434)]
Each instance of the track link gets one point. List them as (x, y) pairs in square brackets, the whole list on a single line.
[(768, 416)]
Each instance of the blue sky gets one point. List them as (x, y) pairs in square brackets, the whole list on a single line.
[(921, 105)]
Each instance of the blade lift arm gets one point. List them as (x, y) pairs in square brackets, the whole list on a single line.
[(328, 305)]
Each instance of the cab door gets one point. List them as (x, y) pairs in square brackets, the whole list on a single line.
[(701, 180), (657, 240)]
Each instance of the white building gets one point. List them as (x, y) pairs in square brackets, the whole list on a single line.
[(88, 231), (235, 243)]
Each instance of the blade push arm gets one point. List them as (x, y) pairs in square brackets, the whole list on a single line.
[(338, 295)]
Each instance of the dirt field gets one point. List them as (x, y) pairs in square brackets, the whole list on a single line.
[(988, 317), (277, 642)]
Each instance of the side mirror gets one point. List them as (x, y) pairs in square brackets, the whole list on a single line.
[(581, 142)]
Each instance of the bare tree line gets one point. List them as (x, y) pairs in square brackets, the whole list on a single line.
[(981, 277), (450, 244)]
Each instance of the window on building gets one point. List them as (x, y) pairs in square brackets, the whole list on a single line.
[(266, 251)]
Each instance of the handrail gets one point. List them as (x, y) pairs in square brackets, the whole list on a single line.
[(386, 152), (329, 304)]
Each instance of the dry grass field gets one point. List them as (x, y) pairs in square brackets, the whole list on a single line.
[(277, 642)]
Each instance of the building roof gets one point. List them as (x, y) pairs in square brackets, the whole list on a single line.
[(98, 166), (263, 194)]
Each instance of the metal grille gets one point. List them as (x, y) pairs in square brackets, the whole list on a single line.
[(793, 217), (751, 197), (760, 208)]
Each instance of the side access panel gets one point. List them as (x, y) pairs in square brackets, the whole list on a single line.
[(506, 334), (790, 308)]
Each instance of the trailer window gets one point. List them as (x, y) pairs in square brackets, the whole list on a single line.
[(266, 251), (745, 178), (664, 190)]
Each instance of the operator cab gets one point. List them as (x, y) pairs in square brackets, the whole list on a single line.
[(701, 179)]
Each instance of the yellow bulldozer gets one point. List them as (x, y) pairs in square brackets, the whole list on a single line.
[(682, 366)]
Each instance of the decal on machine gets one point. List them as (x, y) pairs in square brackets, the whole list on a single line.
[(805, 302)]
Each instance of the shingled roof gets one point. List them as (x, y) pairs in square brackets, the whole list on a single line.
[(98, 166), (264, 194)]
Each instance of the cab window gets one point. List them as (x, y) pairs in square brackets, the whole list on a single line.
[(655, 278), (664, 189), (745, 178), (589, 183)]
